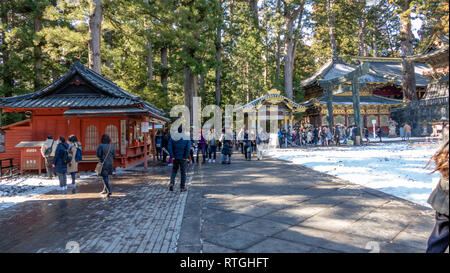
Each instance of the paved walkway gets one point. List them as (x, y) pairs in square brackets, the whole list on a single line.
[(140, 216), (257, 206), (276, 206)]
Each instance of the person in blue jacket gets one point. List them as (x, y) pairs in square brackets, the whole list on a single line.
[(59, 165), (179, 150)]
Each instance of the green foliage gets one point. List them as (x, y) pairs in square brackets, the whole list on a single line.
[(189, 30)]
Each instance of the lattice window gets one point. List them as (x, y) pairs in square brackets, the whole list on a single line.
[(113, 133), (91, 138)]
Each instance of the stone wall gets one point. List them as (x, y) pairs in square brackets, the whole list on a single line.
[(420, 114)]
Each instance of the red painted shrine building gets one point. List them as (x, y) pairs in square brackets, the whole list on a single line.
[(87, 105)]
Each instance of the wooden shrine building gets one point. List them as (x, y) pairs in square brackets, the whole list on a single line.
[(87, 105), (374, 83), (286, 108)]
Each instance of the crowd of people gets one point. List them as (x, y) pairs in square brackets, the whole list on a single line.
[(320, 136), (62, 157)]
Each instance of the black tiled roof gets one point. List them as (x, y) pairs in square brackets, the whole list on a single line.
[(111, 94)]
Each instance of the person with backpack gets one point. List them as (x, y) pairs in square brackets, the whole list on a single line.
[(247, 145), (106, 152), (48, 150), (75, 151), (60, 161), (227, 147)]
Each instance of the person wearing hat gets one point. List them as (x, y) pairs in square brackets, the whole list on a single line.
[(439, 238), (48, 150)]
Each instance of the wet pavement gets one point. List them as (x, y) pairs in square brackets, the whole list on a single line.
[(275, 206), (140, 216), (257, 206)]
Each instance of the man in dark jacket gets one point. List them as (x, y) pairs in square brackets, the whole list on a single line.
[(179, 150)]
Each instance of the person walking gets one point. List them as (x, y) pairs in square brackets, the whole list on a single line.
[(60, 162), (407, 130), (72, 167), (337, 135), (316, 136), (202, 147), (212, 146), (259, 141), (48, 150), (402, 133), (106, 152), (329, 136), (366, 134), (247, 146), (438, 241), (379, 132), (158, 145), (226, 147), (179, 151)]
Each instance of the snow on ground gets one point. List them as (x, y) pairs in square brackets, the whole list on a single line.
[(22, 188), (393, 168)]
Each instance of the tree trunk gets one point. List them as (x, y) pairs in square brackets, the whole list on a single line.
[(201, 83), (37, 52), (408, 79), (254, 9), (331, 25), (278, 56), (362, 48), (149, 61), (164, 68), (95, 25), (7, 76), (290, 47), (149, 54), (375, 47), (190, 84), (219, 57)]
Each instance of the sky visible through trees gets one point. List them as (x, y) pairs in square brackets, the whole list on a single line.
[(224, 51)]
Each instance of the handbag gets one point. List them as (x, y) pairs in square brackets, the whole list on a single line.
[(99, 167)]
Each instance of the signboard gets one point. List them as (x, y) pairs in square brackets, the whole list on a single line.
[(374, 121), (123, 137), (2, 141), (145, 127)]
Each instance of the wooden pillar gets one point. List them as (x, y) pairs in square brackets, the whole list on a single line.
[(154, 141), (145, 151), (329, 95)]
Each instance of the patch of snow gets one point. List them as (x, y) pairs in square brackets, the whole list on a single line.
[(394, 168), (22, 188)]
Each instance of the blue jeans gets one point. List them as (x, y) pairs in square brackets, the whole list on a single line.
[(106, 183), (159, 154), (212, 150), (73, 175), (438, 241), (62, 179)]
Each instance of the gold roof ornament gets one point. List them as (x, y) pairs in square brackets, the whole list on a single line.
[(273, 91)]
